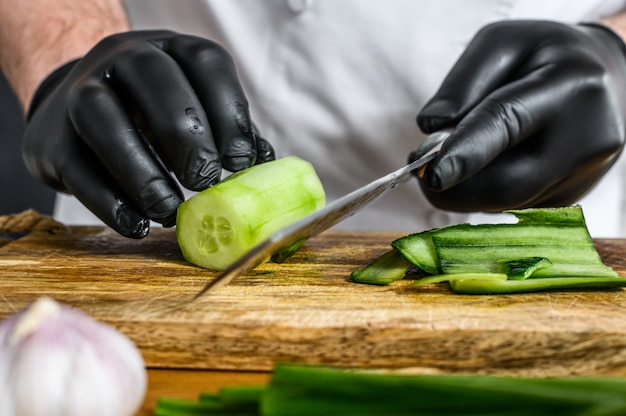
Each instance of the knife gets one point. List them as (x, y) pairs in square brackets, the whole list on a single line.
[(326, 217)]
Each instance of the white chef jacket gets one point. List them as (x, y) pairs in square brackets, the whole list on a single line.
[(340, 82)]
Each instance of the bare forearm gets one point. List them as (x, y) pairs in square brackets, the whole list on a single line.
[(37, 36)]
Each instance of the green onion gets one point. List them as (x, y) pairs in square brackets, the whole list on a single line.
[(313, 390), (178, 407)]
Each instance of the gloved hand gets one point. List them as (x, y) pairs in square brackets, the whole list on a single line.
[(109, 127), (539, 110)]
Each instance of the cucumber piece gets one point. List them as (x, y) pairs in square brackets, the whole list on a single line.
[(386, 269), (500, 283), (459, 276), (418, 248), (548, 248), (218, 225), (558, 234), (523, 268), (559, 215), (497, 287)]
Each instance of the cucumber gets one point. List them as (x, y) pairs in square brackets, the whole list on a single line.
[(386, 269), (418, 248), (498, 287), (547, 249), (558, 234), (450, 278), (522, 269), (218, 225)]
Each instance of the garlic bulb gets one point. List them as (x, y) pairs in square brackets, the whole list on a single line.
[(58, 361)]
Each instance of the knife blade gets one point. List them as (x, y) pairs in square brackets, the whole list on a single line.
[(327, 216)]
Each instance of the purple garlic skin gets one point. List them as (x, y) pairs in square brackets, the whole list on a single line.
[(59, 361)]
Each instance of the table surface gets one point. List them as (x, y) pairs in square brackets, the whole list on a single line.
[(306, 310)]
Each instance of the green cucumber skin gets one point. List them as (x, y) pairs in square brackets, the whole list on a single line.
[(521, 269), (419, 250), (254, 203), (558, 234), (561, 215), (547, 249), (498, 287), (388, 268), (556, 270), (527, 234), (438, 278), (541, 232), (475, 248)]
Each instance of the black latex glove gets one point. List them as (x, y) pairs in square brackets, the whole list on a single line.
[(540, 114), (109, 127)]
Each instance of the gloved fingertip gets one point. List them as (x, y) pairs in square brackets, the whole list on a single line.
[(169, 221), (235, 163), (131, 224), (164, 211), (433, 181), (207, 174), (240, 154), (264, 151), (436, 115), (440, 175)]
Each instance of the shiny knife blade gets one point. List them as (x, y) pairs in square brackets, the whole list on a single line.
[(326, 217)]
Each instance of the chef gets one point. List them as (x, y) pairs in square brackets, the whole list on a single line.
[(200, 88)]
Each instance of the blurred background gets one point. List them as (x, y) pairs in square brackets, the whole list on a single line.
[(18, 190)]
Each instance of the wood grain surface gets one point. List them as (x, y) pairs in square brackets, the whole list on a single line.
[(305, 310)]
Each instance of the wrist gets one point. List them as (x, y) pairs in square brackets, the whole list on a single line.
[(47, 85), (607, 30), (617, 24), (36, 38)]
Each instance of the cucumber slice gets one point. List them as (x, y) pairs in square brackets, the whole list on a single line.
[(558, 234), (388, 268), (218, 225), (497, 287), (548, 248), (521, 269), (558, 215), (418, 248), (489, 277)]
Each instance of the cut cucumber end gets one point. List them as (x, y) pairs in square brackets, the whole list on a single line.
[(209, 231), (220, 224)]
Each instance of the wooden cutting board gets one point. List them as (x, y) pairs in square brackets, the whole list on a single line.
[(305, 310)]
